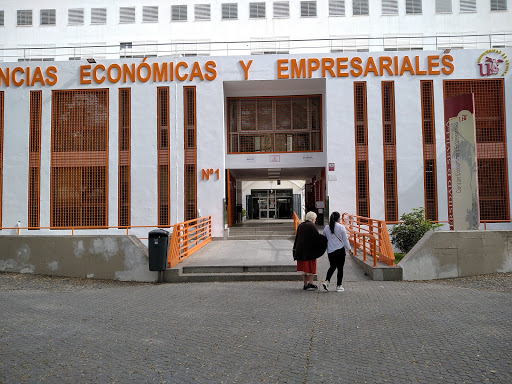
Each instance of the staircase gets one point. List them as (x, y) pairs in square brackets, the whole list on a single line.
[(263, 229)]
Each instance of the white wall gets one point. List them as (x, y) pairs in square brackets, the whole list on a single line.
[(338, 127)]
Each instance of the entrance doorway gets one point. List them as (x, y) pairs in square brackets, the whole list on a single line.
[(270, 204)]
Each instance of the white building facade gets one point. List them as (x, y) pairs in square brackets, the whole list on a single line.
[(140, 139)]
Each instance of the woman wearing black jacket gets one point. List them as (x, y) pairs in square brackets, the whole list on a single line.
[(309, 244)]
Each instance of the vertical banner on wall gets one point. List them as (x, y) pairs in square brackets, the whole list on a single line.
[(461, 163)]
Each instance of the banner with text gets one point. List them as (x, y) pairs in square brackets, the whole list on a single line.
[(461, 163)]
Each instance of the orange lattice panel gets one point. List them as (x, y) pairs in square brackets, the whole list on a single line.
[(34, 159), (389, 132), (275, 124), (164, 186), (361, 138), (79, 166), (124, 156), (1, 150), (491, 143), (189, 96)]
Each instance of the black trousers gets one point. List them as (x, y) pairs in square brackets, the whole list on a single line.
[(336, 260)]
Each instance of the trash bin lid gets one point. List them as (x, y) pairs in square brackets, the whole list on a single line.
[(158, 233)]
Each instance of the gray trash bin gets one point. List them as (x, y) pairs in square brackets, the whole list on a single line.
[(158, 248)]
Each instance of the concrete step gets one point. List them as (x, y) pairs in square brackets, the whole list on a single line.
[(260, 237), (176, 275), (239, 269)]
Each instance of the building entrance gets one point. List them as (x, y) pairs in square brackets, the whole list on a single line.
[(270, 204)]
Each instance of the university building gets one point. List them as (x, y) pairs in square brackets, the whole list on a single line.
[(115, 116)]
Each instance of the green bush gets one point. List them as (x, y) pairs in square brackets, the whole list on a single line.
[(411, 229)]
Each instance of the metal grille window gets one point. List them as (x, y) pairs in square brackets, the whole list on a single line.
[(390, 7), (361, 138), (189, 106), (79, 158), (179, 13), (127, 15), (164, 187), (229, 11), (412, 7), (281, 9), (360, 7), (336, 7), (429, 149), (202, 11), (76, 16), (308, 9), (34, 159), (150, 14), (124, 156), (275, 124), (1, 150), (468, 5), (491, 143), (498, 5), (47, 17), (444, 6), (98, 15), (389, 133), (257, 10), (24, 17), (1, 18)]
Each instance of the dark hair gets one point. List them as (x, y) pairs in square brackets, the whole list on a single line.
[(335, 216)]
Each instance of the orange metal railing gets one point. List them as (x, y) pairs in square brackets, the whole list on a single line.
[(188, 237), (296, 221), (371, 236)]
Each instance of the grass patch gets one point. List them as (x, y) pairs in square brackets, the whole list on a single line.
[(399, 256)]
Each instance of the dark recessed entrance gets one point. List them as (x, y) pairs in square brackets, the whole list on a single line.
[(272, 203)]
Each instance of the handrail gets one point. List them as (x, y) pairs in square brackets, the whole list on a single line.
[(371, 236), (296, 221), (187, 238)]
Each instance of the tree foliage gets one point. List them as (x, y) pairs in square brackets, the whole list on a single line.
[(411, 229)]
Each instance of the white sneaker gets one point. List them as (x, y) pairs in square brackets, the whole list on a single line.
[(325, 284), (339, 288)]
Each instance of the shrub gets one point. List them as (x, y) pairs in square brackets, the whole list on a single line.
[(411, 229)]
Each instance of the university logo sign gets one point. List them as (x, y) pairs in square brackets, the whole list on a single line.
[(493, 62)]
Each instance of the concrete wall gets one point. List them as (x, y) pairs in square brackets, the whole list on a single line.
[(440, 255), (122, 258)]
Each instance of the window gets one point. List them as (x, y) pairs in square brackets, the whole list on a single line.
[(98, 15), (124, 156), (150, 14), (202, 11), (360, 7), (229, 11), (468, 5), (491, 143), (34, 159), (412, 7), (336, 7), (429, 149), (24, 17), (308, 9), (79, 158), (1, 17), (127, 15), (190, 144), (498, 5), (179, 13), (281, 9), (361, 143), (390, 7), (444, 6), (389, 135), (76, 16), (164, 196), (257, 10), (275, 124), (47, 17)]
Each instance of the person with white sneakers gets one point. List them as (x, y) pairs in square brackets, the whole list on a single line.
[(337, 242)]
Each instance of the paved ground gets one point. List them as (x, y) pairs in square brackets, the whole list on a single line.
[(56, 330)]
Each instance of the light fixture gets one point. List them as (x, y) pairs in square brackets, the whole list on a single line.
[(91, 61)]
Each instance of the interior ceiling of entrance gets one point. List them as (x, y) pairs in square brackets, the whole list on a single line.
[(275, 173)]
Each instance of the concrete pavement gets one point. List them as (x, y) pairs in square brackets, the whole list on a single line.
[(83, 331)]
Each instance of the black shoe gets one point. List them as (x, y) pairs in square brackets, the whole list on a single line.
[(310, 287)]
